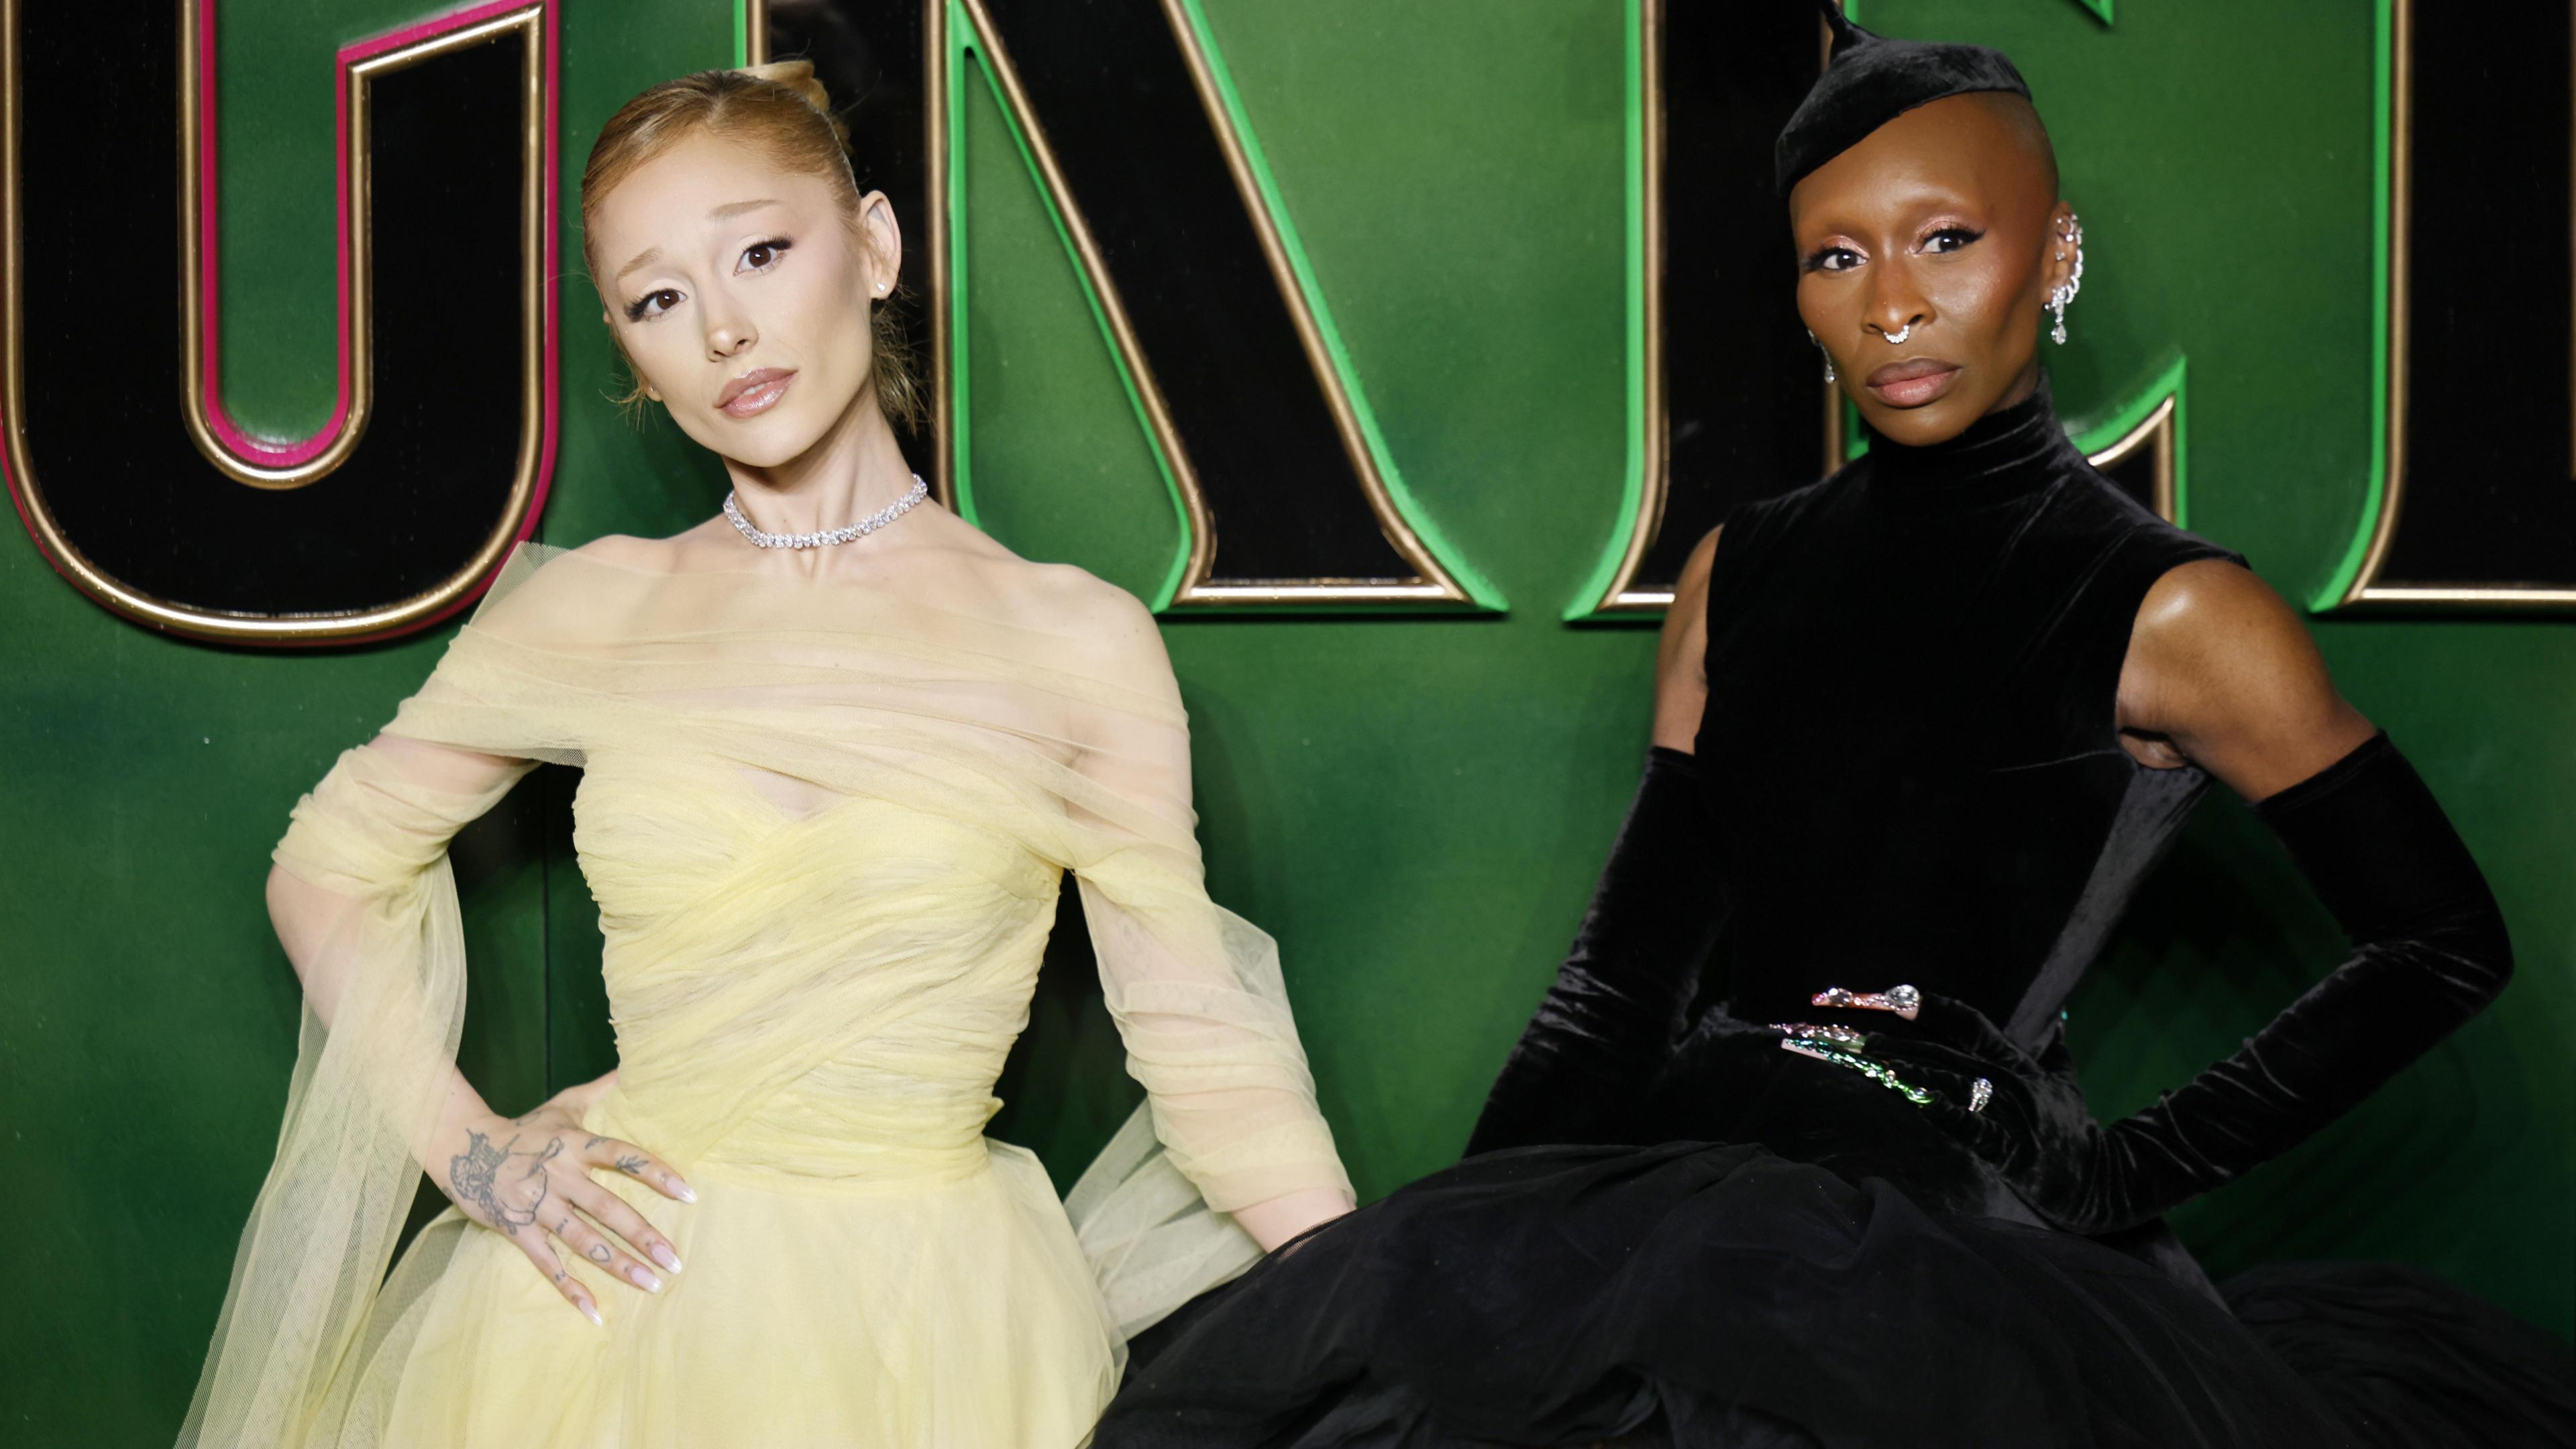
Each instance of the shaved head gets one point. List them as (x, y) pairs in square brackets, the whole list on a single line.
[(2021, 119), (1926, 250)]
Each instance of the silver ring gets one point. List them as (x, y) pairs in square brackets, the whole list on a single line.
[(1897, 337), (1905, 1001), (1980, 1092)]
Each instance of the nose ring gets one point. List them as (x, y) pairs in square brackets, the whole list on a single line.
[(1897, 338)]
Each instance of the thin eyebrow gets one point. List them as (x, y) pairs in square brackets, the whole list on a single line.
[(729, 210)]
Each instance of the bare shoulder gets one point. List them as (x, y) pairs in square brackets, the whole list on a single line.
[(1681, 655), (2222, 667), (2215, 591), (2213, 624), (1693, 586), (1105, 627), (1093, 609), (1115, 638), (1056, 597), (1099, 608)]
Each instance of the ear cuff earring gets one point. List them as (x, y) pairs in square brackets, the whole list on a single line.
[(2069, 235)]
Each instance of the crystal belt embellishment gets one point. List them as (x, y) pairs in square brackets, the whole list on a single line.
[(1876, 1071)]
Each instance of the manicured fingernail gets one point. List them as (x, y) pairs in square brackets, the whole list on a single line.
[(685, 1192), (663, 1255), (1804, 1050), (644, 1279), (591, 1312)]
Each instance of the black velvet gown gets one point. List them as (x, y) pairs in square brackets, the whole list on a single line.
[(1912, 773)]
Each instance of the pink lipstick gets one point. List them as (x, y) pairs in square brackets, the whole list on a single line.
[(755, 392), (1913, 382)]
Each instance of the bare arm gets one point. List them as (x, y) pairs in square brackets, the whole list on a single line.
[(1681, 655), (2223, 675)]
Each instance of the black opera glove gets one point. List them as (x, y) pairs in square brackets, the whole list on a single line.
[(2430, 951), (1606, 1029)]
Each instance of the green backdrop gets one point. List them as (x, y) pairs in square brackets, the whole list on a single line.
[(1414, 806)]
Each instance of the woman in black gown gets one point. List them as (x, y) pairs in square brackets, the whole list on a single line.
[(1927, 722)]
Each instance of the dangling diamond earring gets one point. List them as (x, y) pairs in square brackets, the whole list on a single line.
[(1830, 379), (2072, 234)]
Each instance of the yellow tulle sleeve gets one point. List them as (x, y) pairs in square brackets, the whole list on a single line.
[(367, 909), (1230, 1118), (370, 908)]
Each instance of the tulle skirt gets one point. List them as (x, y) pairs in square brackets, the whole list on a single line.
[(958, 1312), (2409, 1361), (1704, 1295)]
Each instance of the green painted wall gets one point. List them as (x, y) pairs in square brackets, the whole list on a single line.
[(1415, 807)]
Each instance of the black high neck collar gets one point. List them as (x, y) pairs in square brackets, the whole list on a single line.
[(2005, 454)]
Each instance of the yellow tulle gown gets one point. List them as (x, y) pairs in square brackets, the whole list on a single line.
[(826, 824)]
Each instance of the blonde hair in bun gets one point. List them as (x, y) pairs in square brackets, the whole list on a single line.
[(782, 108), (798, 76)]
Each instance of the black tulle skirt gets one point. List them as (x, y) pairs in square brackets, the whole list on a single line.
[(1704, 1295)]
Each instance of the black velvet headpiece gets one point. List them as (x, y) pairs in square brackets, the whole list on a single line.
[(1870, 81)]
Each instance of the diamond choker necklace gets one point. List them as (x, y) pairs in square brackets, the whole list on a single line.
[(861, 529)]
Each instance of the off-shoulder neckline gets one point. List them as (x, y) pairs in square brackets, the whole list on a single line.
[(889, 592)]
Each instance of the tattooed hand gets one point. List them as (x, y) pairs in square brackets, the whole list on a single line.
[(529, 1178)]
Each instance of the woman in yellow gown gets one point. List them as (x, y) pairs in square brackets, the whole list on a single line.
[(838, 752)]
